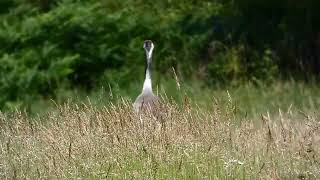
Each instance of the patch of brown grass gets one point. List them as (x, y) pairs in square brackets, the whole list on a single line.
[(82, 141)]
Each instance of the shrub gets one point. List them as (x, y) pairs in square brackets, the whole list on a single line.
[(85, 44)]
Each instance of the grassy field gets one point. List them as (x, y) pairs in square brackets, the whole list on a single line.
[(248, 132)]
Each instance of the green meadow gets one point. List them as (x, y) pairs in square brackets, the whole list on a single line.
[(238, 83)]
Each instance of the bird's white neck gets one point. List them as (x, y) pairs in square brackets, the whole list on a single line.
[(149, 53), (147, 86)]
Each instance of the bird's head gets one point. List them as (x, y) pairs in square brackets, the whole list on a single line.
[(148, 47)]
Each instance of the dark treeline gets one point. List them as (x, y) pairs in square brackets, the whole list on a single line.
[(49, 44), (289, 28)]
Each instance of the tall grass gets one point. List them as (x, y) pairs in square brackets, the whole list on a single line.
[(83, 140), (250, 100)]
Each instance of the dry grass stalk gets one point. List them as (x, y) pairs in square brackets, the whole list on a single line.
[(82, 141)]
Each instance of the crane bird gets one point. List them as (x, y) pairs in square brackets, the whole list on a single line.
[(146, 99)]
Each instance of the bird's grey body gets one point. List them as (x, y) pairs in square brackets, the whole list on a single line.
[(146, 99)]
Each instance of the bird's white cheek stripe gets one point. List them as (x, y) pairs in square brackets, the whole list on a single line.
[(149, 53)]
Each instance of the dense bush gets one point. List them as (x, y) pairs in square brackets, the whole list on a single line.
[(290, 28), (46, 45), (81, 43)]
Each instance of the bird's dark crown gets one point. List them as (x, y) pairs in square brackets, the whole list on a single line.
[(147, 45)]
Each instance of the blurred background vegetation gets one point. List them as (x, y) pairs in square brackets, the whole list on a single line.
[(55, 49)]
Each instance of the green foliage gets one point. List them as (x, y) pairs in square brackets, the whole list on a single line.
[(86, 43), (46, 45), (289, 28), (238, 64)]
